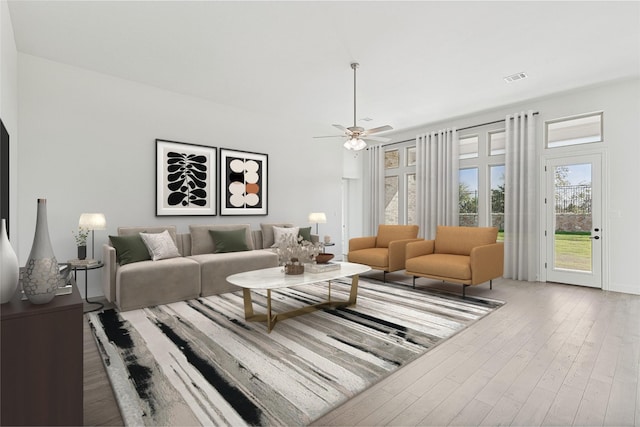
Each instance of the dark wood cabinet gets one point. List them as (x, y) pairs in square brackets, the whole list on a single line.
[(41, 361)]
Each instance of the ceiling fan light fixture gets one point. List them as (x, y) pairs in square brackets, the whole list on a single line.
[(355, 144)]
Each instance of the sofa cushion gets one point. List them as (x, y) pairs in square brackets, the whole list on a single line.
[(149, 283), (267, 233), (388, 233), (160, 245), (460, 240), (229, 240), (305, 233), (373, 257), (441, 265), (280, 233), (202, 241), (127, 231), (130, 249), (216, 269)]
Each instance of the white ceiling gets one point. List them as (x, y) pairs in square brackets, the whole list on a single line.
[(421, 62)]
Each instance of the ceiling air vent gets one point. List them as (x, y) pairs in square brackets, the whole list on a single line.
[(515, 77)]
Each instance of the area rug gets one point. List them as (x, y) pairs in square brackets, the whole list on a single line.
[(198, 362)]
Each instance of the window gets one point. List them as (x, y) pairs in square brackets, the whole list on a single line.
[(497, 142), (468, 147), (468, 197), (400, 185), (582, 129), (481, 178), (496, 175)]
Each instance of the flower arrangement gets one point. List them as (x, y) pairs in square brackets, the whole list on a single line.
[(295, 252), (81, 237)]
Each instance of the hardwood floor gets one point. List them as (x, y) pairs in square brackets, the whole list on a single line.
[(553, 355)]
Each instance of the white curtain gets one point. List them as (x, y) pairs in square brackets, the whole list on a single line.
[(374, 189), (519, 199), (436, 180)]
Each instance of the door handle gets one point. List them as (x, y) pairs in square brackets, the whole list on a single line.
[(595, 237)]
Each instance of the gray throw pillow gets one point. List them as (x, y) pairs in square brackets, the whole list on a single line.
[(160, 245)]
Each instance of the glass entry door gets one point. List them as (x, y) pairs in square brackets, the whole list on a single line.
[(573, 220)]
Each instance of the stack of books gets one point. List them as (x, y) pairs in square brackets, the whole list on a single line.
[(321, 268), (83, 262)]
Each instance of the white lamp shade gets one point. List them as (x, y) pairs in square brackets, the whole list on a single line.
[(92, 221), (317, 218)]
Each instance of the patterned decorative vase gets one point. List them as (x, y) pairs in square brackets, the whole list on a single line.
[(41, 275), (9, 267)]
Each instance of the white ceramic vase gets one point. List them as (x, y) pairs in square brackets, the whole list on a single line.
[(41, 274), (9, 267)]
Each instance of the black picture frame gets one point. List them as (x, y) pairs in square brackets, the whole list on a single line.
[(4, 175), (244, 177), (185, 179)]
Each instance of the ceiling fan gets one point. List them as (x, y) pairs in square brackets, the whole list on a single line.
[(356, 135)]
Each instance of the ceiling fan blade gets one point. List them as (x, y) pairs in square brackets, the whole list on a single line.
[(343, 129), (330, 136), (378, 129), (375, 138)]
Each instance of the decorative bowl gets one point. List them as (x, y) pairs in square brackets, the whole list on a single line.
[(323, 258)]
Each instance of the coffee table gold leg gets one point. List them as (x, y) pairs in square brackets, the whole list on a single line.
[(353, 295), (248, 304), (269, 318)]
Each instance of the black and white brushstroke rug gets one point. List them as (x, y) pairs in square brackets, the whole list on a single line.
[(198, 362)]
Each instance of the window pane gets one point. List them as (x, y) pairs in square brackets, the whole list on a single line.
[(573, 131), (391, 159), (469, 197), (469, 147), (411, 156), (391, 200), (411, 199), (497, 198), (496, 143)]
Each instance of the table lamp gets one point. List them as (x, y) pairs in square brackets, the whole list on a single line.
[(92, 221), (317, 218)]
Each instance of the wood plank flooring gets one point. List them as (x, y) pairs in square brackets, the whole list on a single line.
[(553, 355)]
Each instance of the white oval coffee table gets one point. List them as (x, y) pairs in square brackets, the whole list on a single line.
[(274, 278)]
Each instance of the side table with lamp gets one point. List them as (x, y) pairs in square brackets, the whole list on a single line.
[(89, 221)]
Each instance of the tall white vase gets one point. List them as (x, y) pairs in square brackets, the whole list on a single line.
[(41, 274), (9, 267)]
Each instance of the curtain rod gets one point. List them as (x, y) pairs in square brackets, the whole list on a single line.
[(464, 128)]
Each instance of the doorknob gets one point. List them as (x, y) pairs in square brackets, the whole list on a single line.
[(595, 237)]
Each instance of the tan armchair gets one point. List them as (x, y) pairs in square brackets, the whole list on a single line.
[(465, 255), (386, 251)]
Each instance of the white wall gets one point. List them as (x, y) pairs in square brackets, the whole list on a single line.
[(9, 108), (620, 101), (87, 144)]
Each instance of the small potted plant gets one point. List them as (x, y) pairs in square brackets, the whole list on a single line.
[(81, 242)]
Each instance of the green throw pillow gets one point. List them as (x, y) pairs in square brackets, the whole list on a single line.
[(305, 233), (229, 240), (130, 248)]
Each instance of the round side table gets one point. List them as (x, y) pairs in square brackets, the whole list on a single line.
[(78, 265)]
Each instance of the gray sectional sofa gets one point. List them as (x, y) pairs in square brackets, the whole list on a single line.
[(197, 272)]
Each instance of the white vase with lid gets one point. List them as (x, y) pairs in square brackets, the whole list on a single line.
[(9, 267), (41, 275)]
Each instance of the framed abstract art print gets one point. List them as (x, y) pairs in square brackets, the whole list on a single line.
[(185, 179), (243, 183)]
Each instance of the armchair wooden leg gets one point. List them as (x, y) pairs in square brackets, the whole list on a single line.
[(414, 282), (384, 276), (491, 284), (464, 288)]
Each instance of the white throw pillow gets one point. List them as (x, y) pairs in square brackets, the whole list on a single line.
[(160, 245), (280, 232)]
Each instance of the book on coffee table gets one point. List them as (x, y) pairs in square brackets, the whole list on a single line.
[(321, 268)]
